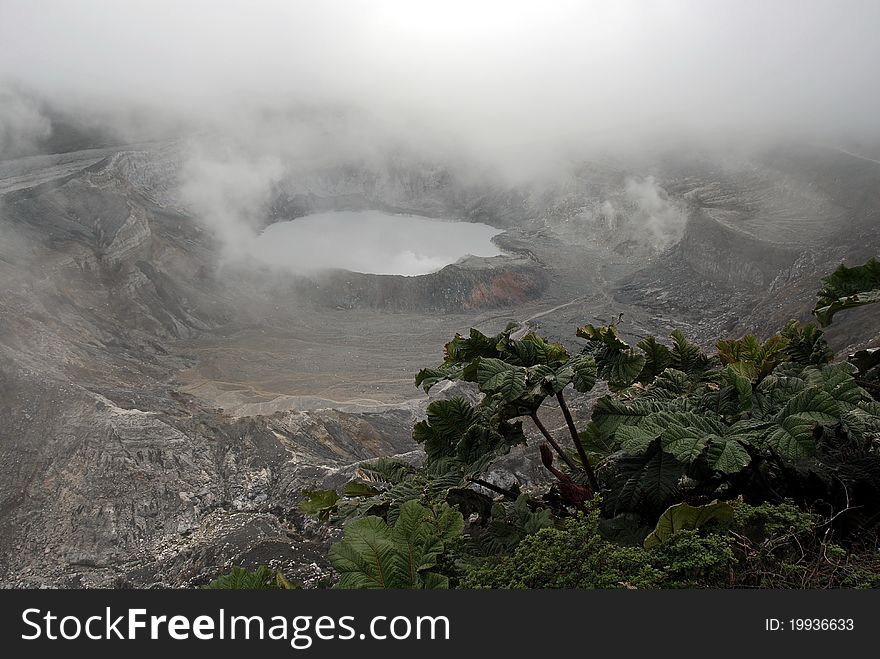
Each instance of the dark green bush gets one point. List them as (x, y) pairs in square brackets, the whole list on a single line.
[(766, 546), (574, 556)]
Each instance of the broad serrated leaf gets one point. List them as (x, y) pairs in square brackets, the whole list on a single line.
[(727, 455), (793, 437), (684, 444), (634, 440), (806, 344), (585, 372), (498, 377), (657, 358), (688, 357), (610, 413), (671, 383), (366, 556)]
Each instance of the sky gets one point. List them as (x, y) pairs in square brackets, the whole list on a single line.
[(503, 78)]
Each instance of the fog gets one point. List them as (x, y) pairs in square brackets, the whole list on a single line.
[(259, 90), (505, 78)]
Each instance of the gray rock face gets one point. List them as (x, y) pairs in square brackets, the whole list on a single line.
[(161, 412)]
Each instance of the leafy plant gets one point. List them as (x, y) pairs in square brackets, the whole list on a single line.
[(510, 523), (516, 376), (683, 444), (321, 503), (683, 516), (373, 554), (766, 546), (846, 288), (262, 578)]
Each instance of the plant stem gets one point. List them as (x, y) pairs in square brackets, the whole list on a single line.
[(585, 461), (552, 442), (489, 486)]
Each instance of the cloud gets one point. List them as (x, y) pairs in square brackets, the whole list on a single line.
[(509, 78), (228, 190), (264, 89), (22, 123), (655, 220)]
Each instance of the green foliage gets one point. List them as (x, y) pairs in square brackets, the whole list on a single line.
[(260, 579), (806, 344), (846, 288), (617, 362), (574, 556), (657, 358), (766, 546), (681, 441), (723, 435), (688, 357), (462, 438), (683, 516), (373, 554), (510, 523), (321, 503), (749, 358)]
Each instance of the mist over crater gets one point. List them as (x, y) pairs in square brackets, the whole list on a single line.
[(371, 242)]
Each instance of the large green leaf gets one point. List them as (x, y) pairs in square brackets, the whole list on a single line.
[(793, 437), (532, 350), (417, 547), (751, 359), (727, 455), (385, 470), (597, 444), (498, 377), (806, 344), (616, 361), (793, 434), (774, 391), (814, 403), (262, 578), (610, 413), (685, 444), (657, 358), (645, 482), (428, 377), (477, 344), (360, 489), (543, 379), (636, 439), (622, 368), (461, 438), (448, 420), (585, 372), (671, 383), (319, 502), (683, 516), (688, 357), (839, 381), (846, 288), (367, 556), (446, 522), (373, 554)]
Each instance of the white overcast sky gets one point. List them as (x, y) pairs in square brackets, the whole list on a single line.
[(493, 71)]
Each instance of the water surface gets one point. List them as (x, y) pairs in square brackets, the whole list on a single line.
[(372, 242)]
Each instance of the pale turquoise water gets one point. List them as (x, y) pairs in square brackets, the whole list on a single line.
[(372, 242)]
